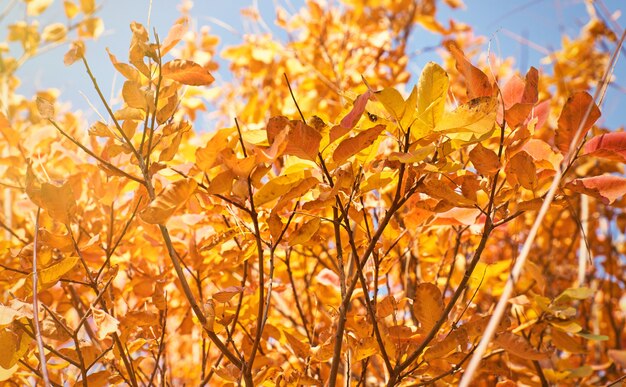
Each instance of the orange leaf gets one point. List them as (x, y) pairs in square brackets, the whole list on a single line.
[(518, 346), (167, 202), (477, 82), (187, 73), (300, 348), (353, 145), (57, 199), (428, 305), (448, 344), (134, 96), (76, 52), (522, 167), (226, 294), (484, 160), (607, 188), (174, 36), (572, 118), (302, 140)]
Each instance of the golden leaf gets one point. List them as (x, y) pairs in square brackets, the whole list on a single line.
[(303, 234), (353, 145), (187, 73), (428, 305), (432, 93), (167, 202), (518, 346)]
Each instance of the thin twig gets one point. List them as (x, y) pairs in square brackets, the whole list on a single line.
[(42, 354)]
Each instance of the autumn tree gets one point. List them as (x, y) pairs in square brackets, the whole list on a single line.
[(348, 221)]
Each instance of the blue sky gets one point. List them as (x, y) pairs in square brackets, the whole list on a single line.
[(542, 22)]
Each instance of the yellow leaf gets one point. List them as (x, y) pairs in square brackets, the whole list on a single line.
[(207, 155), (386, 306), (71, 9), (128, 71), (7, 315), (432, 92), (52, 274), (279, 186), (393, 102), (304, 233), (476, 116), (300, 348), (105, 323), (36, 7), (54, 32), (167, 202), (565, 342), (14, 346), (428, 305), (187, 73), (410, 106), (88, 6)]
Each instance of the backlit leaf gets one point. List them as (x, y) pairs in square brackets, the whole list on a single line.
[(523, 168), (303, 234), (476, 116), (432, 93), (353, 145), (428, 305), (572, 118), (45, 108), (167, 202), (187, 73), (607, 188), (174, 35), (350, 120), (300, 348), (226, 294), (484, 160), (393, 102), (518, 346), (278, 186), (448, 344), (477, 82), (610, 146), (53, 273)]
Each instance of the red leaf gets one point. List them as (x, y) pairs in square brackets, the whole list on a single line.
[(572, 117), (350, 120), (478, 84), (611, 146), (607, 188)]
